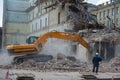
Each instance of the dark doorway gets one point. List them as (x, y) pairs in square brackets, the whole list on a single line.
[(106, 49)]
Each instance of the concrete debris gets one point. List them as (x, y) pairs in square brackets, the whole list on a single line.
[(59, 62), (105, 42), (112, 66), (103, 35), (65, 63), (78, 14), (115, 62)]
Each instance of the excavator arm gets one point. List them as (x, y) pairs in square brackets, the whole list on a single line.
[(36, 47)]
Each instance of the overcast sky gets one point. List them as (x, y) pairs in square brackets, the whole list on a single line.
[(90, 1), (96, 2)]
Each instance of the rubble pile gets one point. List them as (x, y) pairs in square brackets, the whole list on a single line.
[(78, 14), (59, 62), (112, 66), (105, 41), (80, 17), (65, 63), (115, 62), (104, 35)]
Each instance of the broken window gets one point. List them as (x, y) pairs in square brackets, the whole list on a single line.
[(59, 18), (100, 15), (40, 23), (116, 21), (113, 12), (116, 10), (108, 11), (36, 26), (32, 28), (46, 21), (104, 14)]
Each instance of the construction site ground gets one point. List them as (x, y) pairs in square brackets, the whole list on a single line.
[(61, 68), (57, 75)]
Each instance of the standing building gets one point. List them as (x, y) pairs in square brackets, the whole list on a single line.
[(15, 21), (109, 13)]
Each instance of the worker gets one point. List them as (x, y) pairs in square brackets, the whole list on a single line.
[(96, 59)]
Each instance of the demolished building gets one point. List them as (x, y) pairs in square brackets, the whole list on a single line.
[(37, 17)]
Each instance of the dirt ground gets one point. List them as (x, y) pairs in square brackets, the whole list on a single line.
[(53, 75)]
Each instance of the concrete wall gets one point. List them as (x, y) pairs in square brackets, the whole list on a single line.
[(16, 21), (15, 39), (44, 20), (15, 27), (82, 54), (39, 23), (53, 20), (17, 5), (17, 17), (15, 30)]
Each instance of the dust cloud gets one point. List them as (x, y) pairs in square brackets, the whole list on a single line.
[(55, 46), (5, 59)]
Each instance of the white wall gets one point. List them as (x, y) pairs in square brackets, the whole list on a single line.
[(17, 5), (17, 17), (39, 23), (82, 53)]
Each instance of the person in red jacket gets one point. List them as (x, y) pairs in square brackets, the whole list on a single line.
[(96, 59)]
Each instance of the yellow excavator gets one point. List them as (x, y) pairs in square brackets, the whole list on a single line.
[(35, 44)]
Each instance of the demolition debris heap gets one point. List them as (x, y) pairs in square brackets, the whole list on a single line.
[(78, 13), (65, 63)]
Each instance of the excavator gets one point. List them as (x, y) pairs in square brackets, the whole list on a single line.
[(35, 44)]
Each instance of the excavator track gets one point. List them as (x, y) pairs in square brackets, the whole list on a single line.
[(37, 58)]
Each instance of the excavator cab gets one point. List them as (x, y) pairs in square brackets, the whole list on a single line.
[(31, 39)]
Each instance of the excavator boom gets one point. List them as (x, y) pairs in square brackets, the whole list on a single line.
[(35, 48)]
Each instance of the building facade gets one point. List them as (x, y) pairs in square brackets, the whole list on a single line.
[(109, 13), (15, 21), (23, 18), (44, 18)]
